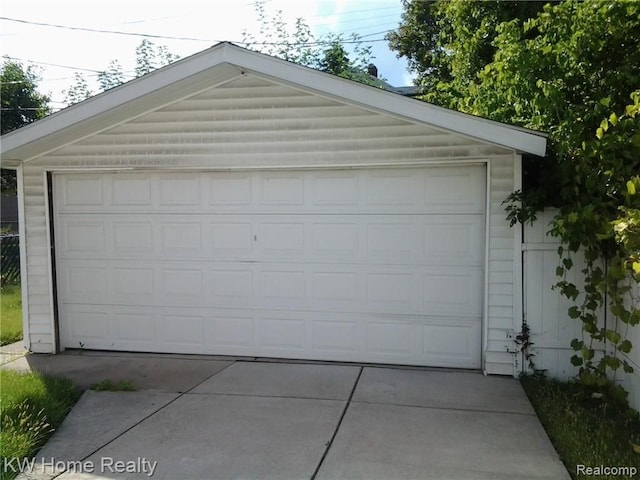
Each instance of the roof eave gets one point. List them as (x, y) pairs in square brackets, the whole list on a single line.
[(191, 74)]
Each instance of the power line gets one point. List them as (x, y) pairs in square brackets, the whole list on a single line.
[(166, 37), (53, 64), (96, 30), (94, 72)]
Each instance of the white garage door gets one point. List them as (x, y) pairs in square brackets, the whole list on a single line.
[(372, 265)]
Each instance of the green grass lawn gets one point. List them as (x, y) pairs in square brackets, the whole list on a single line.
[(586, 429), (31, 408), (10, 314)]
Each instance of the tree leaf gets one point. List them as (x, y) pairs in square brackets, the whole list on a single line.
[(625, 346), (612, 336)]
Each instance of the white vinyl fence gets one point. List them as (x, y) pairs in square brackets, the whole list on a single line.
[(545, 310)]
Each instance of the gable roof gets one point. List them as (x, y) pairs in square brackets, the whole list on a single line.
[(224, 62)]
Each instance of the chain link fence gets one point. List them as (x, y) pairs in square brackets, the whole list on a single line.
[(9, 259)]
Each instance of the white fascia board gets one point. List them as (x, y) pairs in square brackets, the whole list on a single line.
[(519, 139), (124, 98), (92, 113)]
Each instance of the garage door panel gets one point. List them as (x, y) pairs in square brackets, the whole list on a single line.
[(133, 284), (86, 282), (231, 237), (365, 240), (232, 334), (230, 190), (281, 238), (282, 333), (453, 292), (392, 290), (131, 191), (182, 330), (455, 240), (180, 190), (294, 334), (392, 239), (179, 285), (412, 190), (410, 290), (390, 338), (181, 238), (132, 238), (454, 189), (86, 236), (87, 327), (82, 191), (334, 336), (335, 189), (233, 285), (352, 265), (281, 189), (284, 287), (335, 239), (391, 188), (134, 329), (452, 343)]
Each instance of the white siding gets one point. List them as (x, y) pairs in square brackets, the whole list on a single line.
[(501, 295), (253, 123)]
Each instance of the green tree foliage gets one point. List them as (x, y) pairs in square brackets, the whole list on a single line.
[(417, 39), (21, 104), (298, 45), (149, 57), (448, 43), (78, 91), (112, 76), (600, 221), (568, 68)]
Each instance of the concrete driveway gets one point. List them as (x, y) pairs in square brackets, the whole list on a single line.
[(209, 418)]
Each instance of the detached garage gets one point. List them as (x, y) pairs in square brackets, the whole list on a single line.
[(237, 204)]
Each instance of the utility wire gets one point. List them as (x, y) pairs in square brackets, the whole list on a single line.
[(166, 37), (129, 74), (96, 30)]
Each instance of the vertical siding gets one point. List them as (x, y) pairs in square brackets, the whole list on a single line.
[(546, 311), (631, 381), (253, 123)]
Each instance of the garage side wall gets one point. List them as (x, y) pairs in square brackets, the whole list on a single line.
[(254, 123)]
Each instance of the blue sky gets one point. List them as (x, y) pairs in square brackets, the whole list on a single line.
[(207, 21)]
